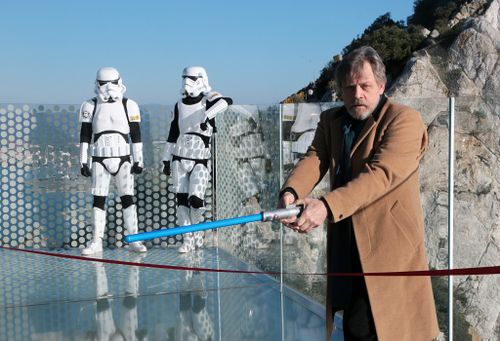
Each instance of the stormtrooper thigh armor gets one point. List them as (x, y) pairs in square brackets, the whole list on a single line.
[(190, 179), (101, 177)]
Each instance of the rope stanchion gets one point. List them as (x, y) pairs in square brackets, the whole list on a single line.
[(478, 271)]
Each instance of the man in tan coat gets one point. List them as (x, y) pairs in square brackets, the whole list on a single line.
[(372, 147)]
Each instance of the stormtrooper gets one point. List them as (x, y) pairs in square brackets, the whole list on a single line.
[(187, 151), (107, 121)]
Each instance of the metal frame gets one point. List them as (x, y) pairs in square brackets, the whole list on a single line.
[(451, 197)]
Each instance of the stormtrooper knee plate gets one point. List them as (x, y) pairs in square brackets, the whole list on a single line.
[(198, 181)]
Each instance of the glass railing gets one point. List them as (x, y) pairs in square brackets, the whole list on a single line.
[(45, 205)]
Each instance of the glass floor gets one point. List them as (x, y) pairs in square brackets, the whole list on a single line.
[(156, 296)]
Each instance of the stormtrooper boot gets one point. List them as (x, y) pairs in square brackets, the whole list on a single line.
[(130, 223), (99, 222)]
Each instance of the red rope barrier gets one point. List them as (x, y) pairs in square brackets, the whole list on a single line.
[(479, 271)]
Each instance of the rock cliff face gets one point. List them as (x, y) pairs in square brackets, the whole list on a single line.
[(466, 66), (469, 70)]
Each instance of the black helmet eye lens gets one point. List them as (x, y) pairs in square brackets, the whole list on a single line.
[(101, 83), (193, 78)]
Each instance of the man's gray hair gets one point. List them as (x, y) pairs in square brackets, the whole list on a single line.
[(354, 61)]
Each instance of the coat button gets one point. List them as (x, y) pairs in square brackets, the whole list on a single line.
[(341, 216)]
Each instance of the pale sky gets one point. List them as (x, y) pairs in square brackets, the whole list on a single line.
[(257, 52)]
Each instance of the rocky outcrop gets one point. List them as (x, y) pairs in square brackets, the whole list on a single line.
[(470, 71), (469, 9)]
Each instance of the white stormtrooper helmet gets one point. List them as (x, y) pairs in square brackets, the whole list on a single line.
[(194, 82), (109, 85)]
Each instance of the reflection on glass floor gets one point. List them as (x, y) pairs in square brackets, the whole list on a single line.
[(51, 298)]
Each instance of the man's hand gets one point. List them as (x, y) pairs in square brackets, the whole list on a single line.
[(136, 168), (287, 199), (166, 168), (204, 125), (85, 170), (313, 215)]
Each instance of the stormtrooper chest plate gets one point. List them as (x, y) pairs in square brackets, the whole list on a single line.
[(190, 118), (190, 143), (110, 116), (110, 122)]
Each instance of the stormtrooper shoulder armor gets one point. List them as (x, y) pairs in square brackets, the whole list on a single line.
[(216, 103), (213, 96), (87, 111), (133, 111)]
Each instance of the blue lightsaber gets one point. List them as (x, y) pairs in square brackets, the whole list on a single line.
[(263, 216)]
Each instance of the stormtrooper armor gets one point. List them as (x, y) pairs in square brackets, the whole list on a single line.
[(107, 121), (187, 150)]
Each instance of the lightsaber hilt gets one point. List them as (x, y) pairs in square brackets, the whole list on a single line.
[(289, 211)]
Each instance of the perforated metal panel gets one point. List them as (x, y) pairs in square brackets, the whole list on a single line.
[(45, 202), (247, 180)]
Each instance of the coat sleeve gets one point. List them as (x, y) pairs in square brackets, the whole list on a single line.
[(394, 158), (313, 166)]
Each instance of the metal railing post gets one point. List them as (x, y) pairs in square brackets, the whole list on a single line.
[(451, 181), (282, 297)]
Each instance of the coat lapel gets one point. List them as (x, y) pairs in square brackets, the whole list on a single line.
[(369, 125), (336, 140)]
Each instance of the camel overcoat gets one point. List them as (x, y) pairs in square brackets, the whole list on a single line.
[(383, 199)]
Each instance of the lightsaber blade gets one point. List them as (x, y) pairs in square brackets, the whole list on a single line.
[(263, 216)]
